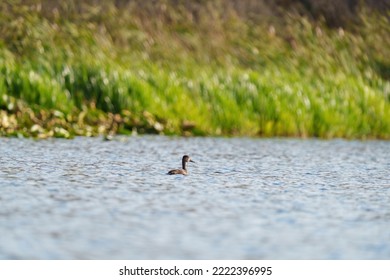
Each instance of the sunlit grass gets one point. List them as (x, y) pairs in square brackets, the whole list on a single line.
[(90, 74)]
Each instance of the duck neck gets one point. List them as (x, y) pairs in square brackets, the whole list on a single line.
[(184, 164)]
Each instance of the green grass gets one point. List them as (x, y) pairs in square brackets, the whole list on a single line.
[(109, 70)]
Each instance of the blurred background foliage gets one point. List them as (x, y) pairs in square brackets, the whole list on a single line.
[(299, 68)]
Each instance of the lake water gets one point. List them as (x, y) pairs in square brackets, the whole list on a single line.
[(243, 199)]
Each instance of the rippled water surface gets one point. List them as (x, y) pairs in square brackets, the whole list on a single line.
[(243, 199)]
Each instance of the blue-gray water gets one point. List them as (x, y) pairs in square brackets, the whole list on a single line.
[(243, 199)]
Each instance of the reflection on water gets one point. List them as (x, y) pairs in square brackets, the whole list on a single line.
[(244, 199)]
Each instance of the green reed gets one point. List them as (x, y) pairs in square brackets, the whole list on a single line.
[(102, 72)]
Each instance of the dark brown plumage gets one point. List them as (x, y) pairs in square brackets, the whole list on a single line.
[(184, 170)]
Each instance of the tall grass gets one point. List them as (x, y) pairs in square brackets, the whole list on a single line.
[(89, 69)]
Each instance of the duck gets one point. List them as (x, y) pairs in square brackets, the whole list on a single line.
[(184, 170)]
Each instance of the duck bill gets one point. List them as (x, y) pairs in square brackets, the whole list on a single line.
[(192, 161)]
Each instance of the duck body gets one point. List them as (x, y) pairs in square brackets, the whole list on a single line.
[(178, 171), (184, 170)]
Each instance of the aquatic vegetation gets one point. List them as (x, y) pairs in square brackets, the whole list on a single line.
[(93, 69)]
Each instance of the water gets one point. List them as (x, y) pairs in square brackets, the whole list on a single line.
[(244, 199)]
